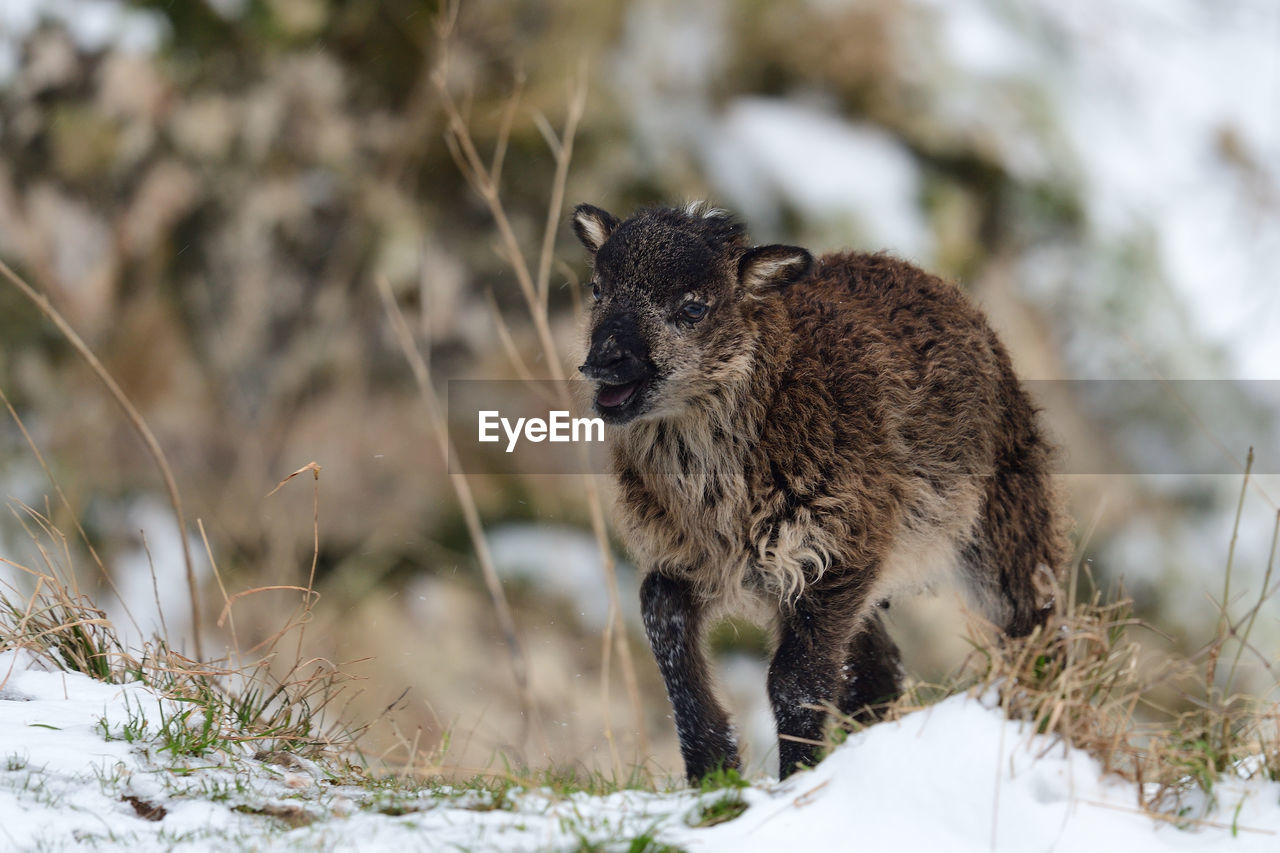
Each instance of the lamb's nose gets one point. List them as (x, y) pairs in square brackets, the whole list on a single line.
[(617, 349), (604, 358)]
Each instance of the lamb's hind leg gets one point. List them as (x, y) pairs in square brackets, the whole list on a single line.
[(1017, 550), (872, 673)]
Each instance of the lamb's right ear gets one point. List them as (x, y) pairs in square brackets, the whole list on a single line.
[(593, 226), (772, 266)]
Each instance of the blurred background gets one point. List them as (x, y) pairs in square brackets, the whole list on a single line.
[(208, 191)]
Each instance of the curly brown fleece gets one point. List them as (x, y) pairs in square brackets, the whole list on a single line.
[(800, 441)]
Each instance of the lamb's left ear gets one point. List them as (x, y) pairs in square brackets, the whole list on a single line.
[(773, 266), (593, 226)]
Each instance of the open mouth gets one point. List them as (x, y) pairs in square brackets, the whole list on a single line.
[(616, 396), (620, 402)]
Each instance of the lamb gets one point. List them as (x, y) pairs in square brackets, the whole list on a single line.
[(798, 441)]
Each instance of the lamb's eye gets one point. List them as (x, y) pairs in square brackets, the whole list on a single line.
[(595, 288), (693, 311)]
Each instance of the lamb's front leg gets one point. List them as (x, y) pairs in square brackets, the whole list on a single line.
[(674, 621), (804, 676)]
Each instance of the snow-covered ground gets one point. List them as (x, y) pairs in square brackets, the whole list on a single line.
[(953, 777)]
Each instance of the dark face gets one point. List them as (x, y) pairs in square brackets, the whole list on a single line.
[(667, 319)]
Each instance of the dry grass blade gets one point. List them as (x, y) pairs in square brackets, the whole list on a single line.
[(217, 576), (140, 426), (58, 624), (313, 467), (226, 608), (242, 704), (1081, 680), (1180, 821), (62, 498), (1253, 613)]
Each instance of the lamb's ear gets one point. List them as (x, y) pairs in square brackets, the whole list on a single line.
[(593, 226), (772, 266)]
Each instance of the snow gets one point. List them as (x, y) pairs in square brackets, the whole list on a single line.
[(229, 8), (92, 24), (954, 777), (146, 602), (1166, 116), (979, 42), (760, 154), (1170, 110), (564, 561), (957, 777), (1151, 119), (1163, 114), (662, 70), (62, 782), (766, 153)]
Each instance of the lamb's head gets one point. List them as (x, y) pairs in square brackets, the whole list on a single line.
[(673, 295)]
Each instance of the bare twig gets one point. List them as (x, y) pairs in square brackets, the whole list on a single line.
[(508, 342), (1243, 639), (217, 576), (309, 595), (469, 162), (462, 489), (310, 466), (463, 148), (155, 586), (1253, 613), (1224, 620), (504, 133), (564, 153)]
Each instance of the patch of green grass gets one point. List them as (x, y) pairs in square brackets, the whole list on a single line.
[(719, 810), (712, 810), (564, 781), (721, 779), (1200, 761), (219, 791), (111, 780), (133, 730), (218, 704), (646, 843), (395, 794), (593, 835), (32, 786), (192, 731)]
